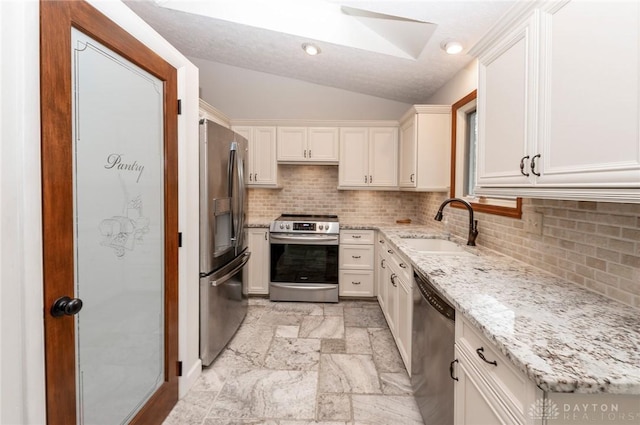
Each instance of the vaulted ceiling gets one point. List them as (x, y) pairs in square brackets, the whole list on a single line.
[(386, 48)]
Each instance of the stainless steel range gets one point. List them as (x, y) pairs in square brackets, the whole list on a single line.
[(304, 258)]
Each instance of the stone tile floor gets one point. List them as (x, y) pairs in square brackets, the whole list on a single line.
[(303, 364)]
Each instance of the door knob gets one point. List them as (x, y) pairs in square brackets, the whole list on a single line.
[(65, 306)]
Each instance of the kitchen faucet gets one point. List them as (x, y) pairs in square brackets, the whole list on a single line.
[(473, 224)]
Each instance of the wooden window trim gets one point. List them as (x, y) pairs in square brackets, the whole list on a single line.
[(513, 212)]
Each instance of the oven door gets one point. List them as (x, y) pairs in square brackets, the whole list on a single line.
[(304, 267)]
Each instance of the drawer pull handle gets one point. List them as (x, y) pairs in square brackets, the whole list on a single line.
[(389, 251), (403, 265), (393, 279), (451, 370), (480, 352), (382, 264), (381, 241), (356, 256), (355, 283), (356, 236)]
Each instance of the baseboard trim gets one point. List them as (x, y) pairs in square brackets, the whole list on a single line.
[(189, 379)]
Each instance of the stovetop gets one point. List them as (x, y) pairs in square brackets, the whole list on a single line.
[(306, 223), (308, 217)]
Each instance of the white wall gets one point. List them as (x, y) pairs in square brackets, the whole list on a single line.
[(22, 386), (21, 326), (245, 94), (463, 83)]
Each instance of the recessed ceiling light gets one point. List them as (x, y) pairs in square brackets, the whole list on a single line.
[(311, 49), (452, 47)]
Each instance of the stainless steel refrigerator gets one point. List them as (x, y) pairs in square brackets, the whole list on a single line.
[(223, 249)]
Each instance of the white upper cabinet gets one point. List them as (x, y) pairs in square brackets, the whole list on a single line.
[(559, 103), (323, 144), (425, 149), (262, 167), (368, 157), (590, 95), (506, 105), (308, 144)]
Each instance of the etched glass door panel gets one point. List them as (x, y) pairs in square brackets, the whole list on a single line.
[(118, 232)]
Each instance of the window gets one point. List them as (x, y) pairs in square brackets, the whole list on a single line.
[(464, 138), (471, 137)]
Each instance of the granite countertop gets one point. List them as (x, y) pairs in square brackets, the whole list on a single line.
[(563, 337)]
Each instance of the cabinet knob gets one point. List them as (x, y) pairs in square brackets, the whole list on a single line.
[(522, 166), (533, 165)]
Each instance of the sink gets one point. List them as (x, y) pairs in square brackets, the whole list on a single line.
[(434, 246)]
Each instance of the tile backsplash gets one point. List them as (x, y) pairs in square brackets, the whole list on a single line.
[(592, 244), (312, 189)]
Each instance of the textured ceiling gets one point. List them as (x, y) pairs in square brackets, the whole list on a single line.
[(355, 69)]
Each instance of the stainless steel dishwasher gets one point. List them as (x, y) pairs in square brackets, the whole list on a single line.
[(432, 353)]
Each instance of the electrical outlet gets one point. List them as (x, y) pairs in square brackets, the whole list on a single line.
[(533, 223)]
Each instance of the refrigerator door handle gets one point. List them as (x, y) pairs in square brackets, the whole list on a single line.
[(241, 196), (232, 163), (236, 170), (225, 278)]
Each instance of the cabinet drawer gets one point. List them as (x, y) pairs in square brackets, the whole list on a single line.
[(399, 265), (511, 385), (356, 283), (475, 402), (357, 237), (358, 257)]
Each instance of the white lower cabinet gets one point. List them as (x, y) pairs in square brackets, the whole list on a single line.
[(489, 389), (381, 277), (405, 317), (356, 263), (395, 296), (473, 404), (257, 275)]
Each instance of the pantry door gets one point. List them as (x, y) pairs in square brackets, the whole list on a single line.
[(110, 237)]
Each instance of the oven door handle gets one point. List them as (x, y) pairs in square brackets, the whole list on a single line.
[(311, 287), (304, 239)]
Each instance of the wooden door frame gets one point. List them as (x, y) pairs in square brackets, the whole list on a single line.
[(56, 20)]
